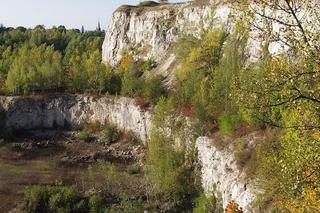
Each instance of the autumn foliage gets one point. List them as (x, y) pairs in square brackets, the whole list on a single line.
[(233, 207)]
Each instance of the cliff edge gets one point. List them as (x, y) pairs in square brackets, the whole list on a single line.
[(149, 31)]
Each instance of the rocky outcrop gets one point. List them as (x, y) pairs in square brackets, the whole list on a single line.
[(150, 31), (221, 175), (219, 170), (75, 110)]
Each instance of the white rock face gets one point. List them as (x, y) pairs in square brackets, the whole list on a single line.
[(220, 175), (48, 112), (150, 31), (219, 171)]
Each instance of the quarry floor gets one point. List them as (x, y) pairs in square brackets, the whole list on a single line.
[(60, 158)]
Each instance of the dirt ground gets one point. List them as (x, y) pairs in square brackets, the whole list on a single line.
[(64, 159)]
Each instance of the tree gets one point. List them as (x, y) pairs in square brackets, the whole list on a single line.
[(98, 27), (62, 28), (82, 29), (37, 69), (287, 82)]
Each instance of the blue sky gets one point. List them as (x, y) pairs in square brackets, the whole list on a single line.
[(71, 13)]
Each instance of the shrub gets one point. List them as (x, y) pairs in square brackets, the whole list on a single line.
[(153, 89), (184, 45), (170, 177), (148, 65), (109, 135), (129, 137), (63, 199), (95, 204), (242, 153), (36, 199), (228, 122), (52, 199), (207, 204), (84, 135), (131, 85), (127, 206), (114, 86)]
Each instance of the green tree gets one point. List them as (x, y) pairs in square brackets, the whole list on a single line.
[(38, 68)]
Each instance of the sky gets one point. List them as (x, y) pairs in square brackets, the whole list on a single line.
[(70, 13)]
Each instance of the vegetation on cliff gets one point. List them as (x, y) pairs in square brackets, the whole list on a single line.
[(215, 90)]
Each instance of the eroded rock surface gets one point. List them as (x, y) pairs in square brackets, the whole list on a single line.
[(150, 31), (221, 175), (75, 110)]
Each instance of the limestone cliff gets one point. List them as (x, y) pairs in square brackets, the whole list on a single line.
[(219, 171), (75, 110), (150, 31), (221, 175)]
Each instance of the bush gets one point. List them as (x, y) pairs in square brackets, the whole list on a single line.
[(148, 65), (228, 123), (84, 135), (242, 153), (207, 204), (52, 199), (131, 85), (184, 45), (109, 135), (95, 204), (153, 89), (114, 86), (127, 206), (64, 199), (170, 177)]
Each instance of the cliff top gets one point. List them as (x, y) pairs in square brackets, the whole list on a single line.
[(155, 6)]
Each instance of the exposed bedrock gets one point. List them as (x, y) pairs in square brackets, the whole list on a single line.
[(219, 171), (75, 110)]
